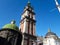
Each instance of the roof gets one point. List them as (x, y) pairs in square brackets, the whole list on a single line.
[(11, 26), (49, 33)]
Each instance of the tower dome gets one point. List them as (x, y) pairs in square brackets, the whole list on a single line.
[(49, 33), (11, 26)]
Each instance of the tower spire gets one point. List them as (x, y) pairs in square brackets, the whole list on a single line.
[(27, 25), (29, 3), (49, 30)]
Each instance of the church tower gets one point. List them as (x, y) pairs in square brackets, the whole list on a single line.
[(27, 25)]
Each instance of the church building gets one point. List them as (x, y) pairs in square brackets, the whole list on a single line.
[(24, 35), (51, 38), (10, 34), (27, 25)]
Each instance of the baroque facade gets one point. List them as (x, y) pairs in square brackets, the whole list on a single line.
[(25, 34), (50, 39), (10, 34), (27, 25)]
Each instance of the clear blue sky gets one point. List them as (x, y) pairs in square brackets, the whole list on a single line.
[(47, 15)]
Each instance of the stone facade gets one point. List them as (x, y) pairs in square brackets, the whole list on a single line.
[(12, 37), (27, 26)]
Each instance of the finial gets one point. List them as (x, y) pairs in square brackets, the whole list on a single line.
[(13, 22), (28, 2), (49, 30)]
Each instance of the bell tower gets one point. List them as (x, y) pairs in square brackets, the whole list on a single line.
[(27, 25)]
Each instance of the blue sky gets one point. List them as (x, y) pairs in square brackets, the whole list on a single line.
[(47, 15)]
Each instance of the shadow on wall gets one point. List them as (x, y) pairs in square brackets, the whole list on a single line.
[(40, 43), (3, 41)]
